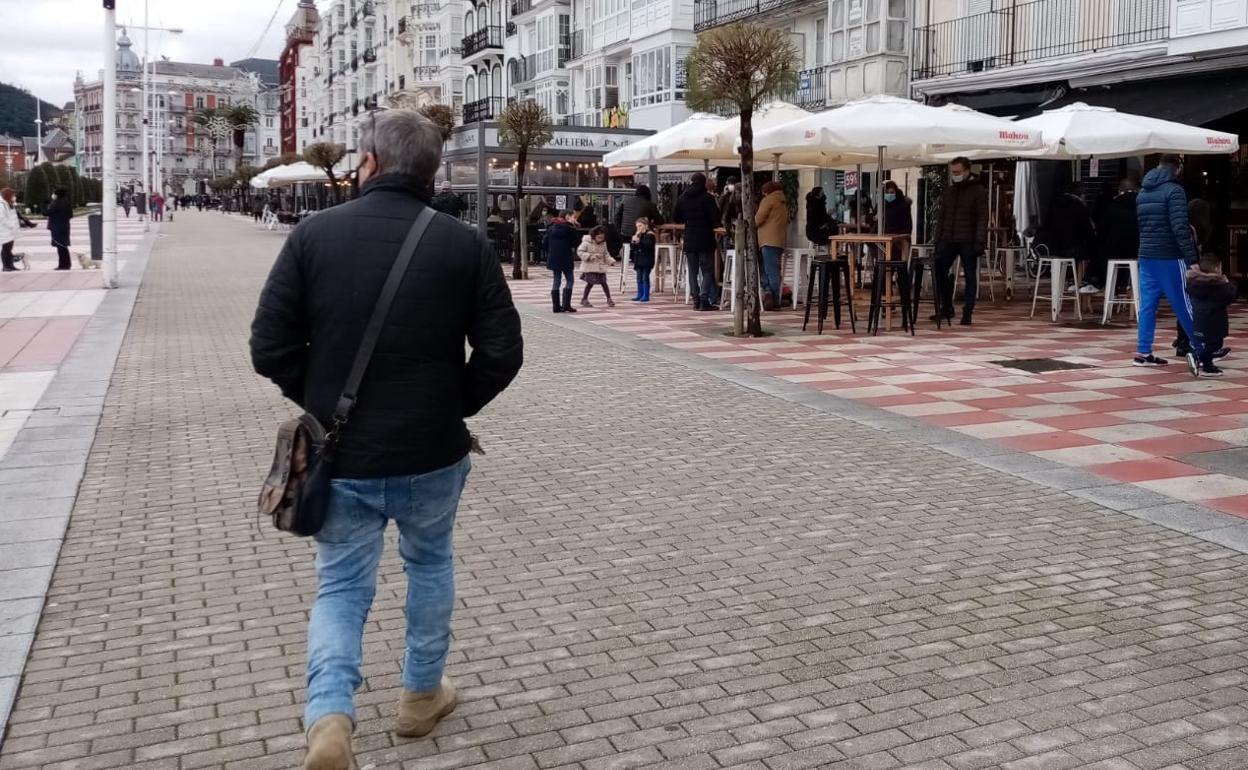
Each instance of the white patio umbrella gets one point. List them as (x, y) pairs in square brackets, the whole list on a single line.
[(892, 128), (652, 150), (301, 172), (261, 180)]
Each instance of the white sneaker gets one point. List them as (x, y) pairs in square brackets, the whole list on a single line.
[(1088, 288)]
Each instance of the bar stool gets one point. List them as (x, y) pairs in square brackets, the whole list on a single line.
[(670, 253), (730, 258), (1058, 292), (882, 299), (799, 260), (624, 259), (1111, 287), (829, 274), (920, 269)]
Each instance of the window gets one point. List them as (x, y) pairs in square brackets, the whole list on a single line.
[(553, 41), (610, 22), (821, 33), (268, 122), (659, 75), (199, 102)]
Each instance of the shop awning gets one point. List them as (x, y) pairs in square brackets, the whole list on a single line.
[(1194, 101)]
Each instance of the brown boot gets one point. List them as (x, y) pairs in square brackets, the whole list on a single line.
[(329, 744), (420, 712)]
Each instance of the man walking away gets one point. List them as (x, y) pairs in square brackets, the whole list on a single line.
[(961, 231), (448, 202), (404, 453), (1166, 250), (696, 210)]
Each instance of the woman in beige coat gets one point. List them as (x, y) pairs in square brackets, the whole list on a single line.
[(772, 220)]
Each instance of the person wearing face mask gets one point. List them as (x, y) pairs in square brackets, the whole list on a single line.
[(449, 345), (59, 212), (897, 218), (819, 224), (961, 232)]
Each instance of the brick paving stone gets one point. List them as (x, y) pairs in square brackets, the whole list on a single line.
[(645, 584)]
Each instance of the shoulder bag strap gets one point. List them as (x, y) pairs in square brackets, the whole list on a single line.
[(378, 319)]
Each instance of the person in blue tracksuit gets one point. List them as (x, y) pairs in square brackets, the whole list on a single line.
[(1166, 251)]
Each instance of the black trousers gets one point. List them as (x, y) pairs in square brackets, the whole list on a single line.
[(63, 261), (947, 254), (701, 263), (6, 255)]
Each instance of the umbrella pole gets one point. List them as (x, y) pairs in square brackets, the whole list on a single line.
[(775, 168), (879, 191), (858, 199)]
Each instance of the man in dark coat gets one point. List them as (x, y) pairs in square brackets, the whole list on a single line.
[(632, 208), (448, 202), (59, 212), (696, 210), (961, 231), (403, 454), (1166, 251)]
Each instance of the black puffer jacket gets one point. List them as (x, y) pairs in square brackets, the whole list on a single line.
[(963, 213), (630, 210), (418, 389), (696, 210)]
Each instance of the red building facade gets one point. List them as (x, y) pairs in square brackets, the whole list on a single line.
[(299, 35)]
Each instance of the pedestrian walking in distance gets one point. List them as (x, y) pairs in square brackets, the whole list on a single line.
[(1166, 250), (403, 454)]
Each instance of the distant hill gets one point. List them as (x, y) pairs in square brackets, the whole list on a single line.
[(17, 111)]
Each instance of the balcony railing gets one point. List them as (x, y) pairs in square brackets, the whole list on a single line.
[(425, 74), (367, 11), (811, 88), (483, 40), (1034, 31), (521, 6), (425, 10), (488, 108), (713, 13), (578, 44)]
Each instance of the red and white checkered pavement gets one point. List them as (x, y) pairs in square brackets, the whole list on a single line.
[(1123, 422)]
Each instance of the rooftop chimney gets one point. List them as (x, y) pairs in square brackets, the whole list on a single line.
[(218, 62)]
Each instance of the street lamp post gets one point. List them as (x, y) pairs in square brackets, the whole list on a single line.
[(147, 109), (108, 196)]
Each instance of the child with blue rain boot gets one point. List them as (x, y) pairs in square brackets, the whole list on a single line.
[(642, 255)]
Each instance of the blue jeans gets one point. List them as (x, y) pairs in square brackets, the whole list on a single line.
[(565, 275), (1164, 277), (770, 274), (349, 548)]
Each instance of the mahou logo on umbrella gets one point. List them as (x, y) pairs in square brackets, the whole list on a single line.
[(1009, 135)]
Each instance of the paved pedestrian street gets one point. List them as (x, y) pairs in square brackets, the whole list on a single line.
[(666, 559)]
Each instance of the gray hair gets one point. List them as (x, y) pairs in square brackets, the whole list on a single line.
[(404, 142)]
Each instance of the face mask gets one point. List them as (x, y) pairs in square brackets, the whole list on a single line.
[(890, 197), (956, 178)]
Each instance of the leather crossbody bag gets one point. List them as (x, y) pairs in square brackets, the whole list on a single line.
[(296, 493)]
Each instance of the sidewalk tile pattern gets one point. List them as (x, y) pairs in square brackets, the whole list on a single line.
[(692, 574), (1110, 419)]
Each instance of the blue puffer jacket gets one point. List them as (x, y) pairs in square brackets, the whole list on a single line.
[(1161, 210)]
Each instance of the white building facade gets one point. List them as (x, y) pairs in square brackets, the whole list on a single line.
[(184, 153)]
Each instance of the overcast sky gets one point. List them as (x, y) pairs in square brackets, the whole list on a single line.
[(43, 43)]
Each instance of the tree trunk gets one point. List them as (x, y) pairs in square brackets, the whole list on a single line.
[(519, 265), (748, 288)]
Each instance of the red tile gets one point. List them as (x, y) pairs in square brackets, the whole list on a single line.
[(1003, 402), (1217, 408), (1038, 442), (16, 334), (964, 418), (1175, 446), (51, 344), (1237, 505), (1145, 470), (1133, 391), (899, 400), (1081, 421), (1037, 387)]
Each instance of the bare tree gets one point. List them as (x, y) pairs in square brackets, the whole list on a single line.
[(740, 68), (241, 117), (523, 126), (326, 155), (442, 116)]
